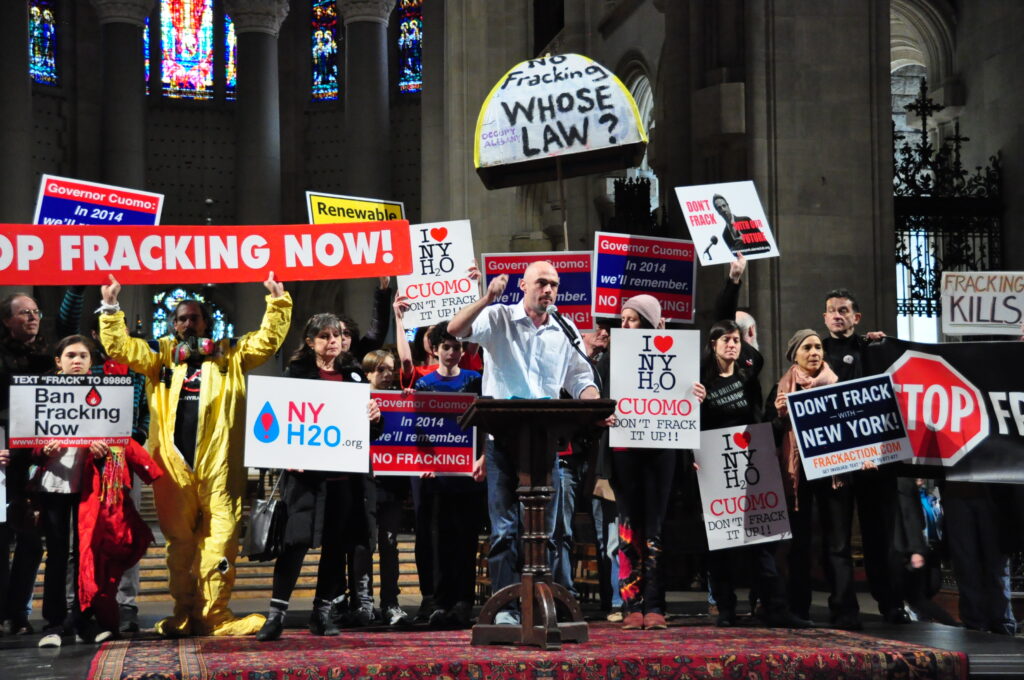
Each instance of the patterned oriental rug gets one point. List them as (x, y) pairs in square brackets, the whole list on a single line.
[(678, 652)]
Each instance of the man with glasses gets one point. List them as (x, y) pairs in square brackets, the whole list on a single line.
[(22, 351), (197, 407)]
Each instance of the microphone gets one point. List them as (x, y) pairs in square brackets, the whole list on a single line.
[(714, 242), (574, 340), (552, 311)]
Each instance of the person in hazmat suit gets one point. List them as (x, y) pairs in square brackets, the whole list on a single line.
[(196, 388)]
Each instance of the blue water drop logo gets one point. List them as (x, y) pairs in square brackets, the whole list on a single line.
[(266, 428)]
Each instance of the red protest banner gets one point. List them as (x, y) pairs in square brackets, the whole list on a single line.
[(86, 254)]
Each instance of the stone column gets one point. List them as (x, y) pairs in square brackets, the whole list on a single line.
[(258, 149), (817, 99), (17, 194), (367, 165), (123, 122)]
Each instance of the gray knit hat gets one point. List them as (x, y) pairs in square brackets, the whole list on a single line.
[(646, 306), (795, 341)]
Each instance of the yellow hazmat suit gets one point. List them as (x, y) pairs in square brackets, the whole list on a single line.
[(199, 509)]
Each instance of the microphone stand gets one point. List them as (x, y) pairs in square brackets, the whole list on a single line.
[(574, 340)]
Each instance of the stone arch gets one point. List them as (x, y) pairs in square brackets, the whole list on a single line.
[(923, 32)]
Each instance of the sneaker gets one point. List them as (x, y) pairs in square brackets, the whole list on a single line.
[(102, 636), (507, 617), (50, 640), (615, 617), (395, 616), (726, 618)]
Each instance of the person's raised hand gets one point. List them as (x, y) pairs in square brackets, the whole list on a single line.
[(496, 288), (699, 391), (275, 288), (373, 410), (110, 291), (400, 305), (737, 267), (383, 282)]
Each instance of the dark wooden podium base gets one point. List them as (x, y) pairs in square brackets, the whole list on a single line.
[(531, 429), (538, 623)]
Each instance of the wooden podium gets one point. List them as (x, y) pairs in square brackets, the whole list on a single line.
[(530, 429)]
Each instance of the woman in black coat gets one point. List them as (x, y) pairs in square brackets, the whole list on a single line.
[(311, 496)]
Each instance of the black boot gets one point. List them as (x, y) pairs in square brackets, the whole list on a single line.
[(272, 629), (321, 623)]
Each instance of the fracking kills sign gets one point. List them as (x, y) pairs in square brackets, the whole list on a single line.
[(335, 209), (574, 281), (86, 255), (840, 427), (73, 201), (70, 410), (422, 434), (652, 376), (307, 424), (963, 404), (982, 303), (725, 220), (741, 487), (631, 265), (555, 106), (438, 286)]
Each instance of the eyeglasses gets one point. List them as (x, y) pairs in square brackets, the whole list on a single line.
[(31, 313)]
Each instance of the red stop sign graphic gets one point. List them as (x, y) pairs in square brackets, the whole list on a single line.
[(944, 413)]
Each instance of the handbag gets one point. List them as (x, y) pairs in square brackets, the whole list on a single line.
[(264, 537)]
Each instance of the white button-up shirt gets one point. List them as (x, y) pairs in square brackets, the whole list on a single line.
[(524, 360)]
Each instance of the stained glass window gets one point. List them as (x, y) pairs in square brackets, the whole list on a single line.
[(410, 45), (187, 48), (167, 300), (145, 52), (230, 57), (324, 50), (42, 42)]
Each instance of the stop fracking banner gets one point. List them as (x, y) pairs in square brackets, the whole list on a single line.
[(87, 254), (422, 434), (963, 405)]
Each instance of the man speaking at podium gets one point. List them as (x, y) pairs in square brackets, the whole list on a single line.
[(529, 356)]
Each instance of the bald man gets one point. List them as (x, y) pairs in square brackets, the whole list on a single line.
[(528, 356)]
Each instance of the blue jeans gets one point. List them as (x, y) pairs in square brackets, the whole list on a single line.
[(506, 517), (606, 528), (572, 470)]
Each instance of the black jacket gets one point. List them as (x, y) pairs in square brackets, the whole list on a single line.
[(305, 493)]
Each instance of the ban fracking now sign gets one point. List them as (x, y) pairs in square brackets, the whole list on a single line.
[(840, 427), (70, 410)]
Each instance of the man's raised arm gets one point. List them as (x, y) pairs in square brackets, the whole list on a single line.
[(461, 325)]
